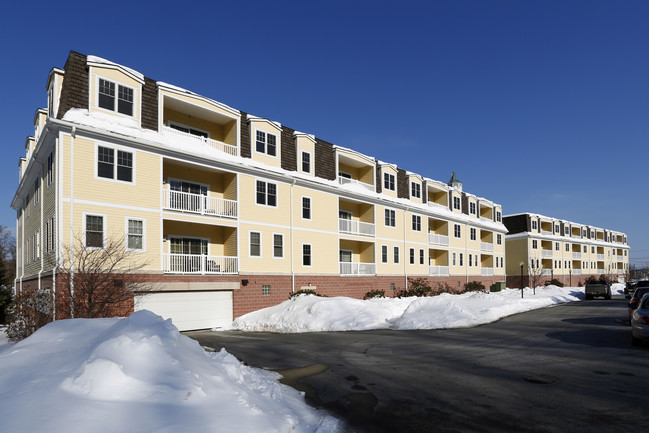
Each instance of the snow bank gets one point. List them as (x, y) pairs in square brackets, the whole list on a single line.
[(314, 314), (140, 374)]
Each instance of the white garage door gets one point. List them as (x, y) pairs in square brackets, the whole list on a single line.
[(190, 310)]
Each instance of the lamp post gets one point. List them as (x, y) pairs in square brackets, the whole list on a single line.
[(522, 284)]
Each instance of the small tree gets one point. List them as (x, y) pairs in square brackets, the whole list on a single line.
[(535, 273), (101, 282)]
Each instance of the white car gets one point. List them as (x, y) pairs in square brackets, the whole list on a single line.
[(640, 322)]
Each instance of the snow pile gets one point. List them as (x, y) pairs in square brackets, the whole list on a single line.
[(314, 314), (140, 374), (617, 288)]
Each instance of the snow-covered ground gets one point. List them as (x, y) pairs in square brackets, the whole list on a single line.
[(140, 374), (313, 314)]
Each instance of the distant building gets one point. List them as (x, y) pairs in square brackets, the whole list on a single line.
[(567, 251), (230, 211)]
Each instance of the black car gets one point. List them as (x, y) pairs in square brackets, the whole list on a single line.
[(629, 287)]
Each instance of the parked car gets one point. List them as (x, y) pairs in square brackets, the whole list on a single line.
[(598, 288), (640, 322), (629, 287), (635, 299)]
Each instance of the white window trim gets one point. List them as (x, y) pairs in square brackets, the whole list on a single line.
[(396, 250), (276, 193), (393, 179), (417, 189), (283, 246), (178, 179), (392, 212), (200, 238), (126, 233), (261, 250), (302, 255), (115, 149), (302, 208), (278, 146), (136, 97), (104, 229), (387, 254), (310, 161)]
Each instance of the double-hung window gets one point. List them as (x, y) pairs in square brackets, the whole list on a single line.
[(106, 98), (421, 257), (473, 234), (50, 169), (266, 143), (534, 225), (456, 203), (94, 234), (106, 164), (255, 244), (499, 239), (388, 181), (396, 255), (457, 231), (306, 208), (390, 218), (306, 162), (135, 235), (472, 210), (266, 193), (416, 223), (412, 256), (384, 253), (37, 187), (278, 246), (306, 254), (415, 189)]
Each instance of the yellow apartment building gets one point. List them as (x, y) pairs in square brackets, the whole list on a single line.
[(550, 248), (228, 212)]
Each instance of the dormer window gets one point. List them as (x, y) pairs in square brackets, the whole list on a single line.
[(415, 190), (107, 97), (266, 143), (472, 208), (388, 181)]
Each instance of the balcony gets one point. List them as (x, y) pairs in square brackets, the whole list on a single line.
[(487, 272), (200, 264), (214, 144), (600, 271), (546, 253), (576, 255), (486, 246), (438, 271), (435, 239), (485, 219), (547, 232), (199, 203), (357, 268), (546, 271), (576, 272), (600, 256), (347, 181), (355, 227), (436, 205)]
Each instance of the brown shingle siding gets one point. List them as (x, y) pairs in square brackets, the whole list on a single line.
[(150, 104), (245, 136), (325, 160), (74, 90), (289, 152), (402, 184)]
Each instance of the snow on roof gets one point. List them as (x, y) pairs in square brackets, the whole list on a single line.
[(130, 128)]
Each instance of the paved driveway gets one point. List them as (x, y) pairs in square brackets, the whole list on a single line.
[(569, 368)]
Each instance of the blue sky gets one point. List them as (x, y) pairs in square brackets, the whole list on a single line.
[(540, 106)]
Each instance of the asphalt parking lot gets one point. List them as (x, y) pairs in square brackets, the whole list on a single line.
[(569, 368)]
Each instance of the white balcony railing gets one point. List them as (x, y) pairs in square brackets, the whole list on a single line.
[(546, 253), (438, 271), (437, 205), (214, 144), (576, 255), (600, 256), (357, 268), (198, 203), (356, 227), (200, 264), (576, 272), (546, 272), (600, 271), (576, 236), (348, 181), (546, 232), (486, 246), (485, 219), (487, 272), (436, 239)]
